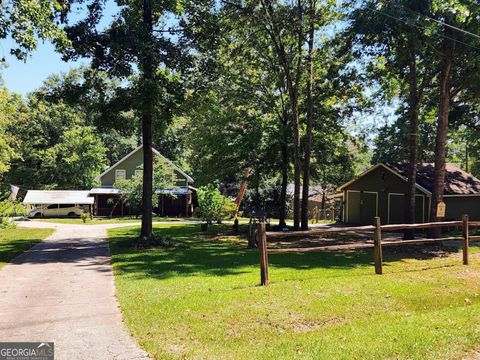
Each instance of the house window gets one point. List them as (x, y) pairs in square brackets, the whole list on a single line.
[(138, 172), (120, 174)]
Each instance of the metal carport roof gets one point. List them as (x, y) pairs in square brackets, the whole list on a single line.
[(44, 197)]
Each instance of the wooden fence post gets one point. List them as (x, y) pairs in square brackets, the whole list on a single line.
[(262, 246), (465, 239), (377, 247), (251, 233)]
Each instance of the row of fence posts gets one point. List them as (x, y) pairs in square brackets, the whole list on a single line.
[(377, 247), (377, 244)]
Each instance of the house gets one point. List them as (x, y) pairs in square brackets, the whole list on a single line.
[(177, 201), (380, 191)]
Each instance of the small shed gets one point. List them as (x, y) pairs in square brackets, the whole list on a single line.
[(381, 190), (41, 198)]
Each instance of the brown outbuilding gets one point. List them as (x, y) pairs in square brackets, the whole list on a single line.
[(380, 191)]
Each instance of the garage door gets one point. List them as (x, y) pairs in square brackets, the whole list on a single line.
[(368, 208), (361, 207), (396, 208), (353, 207)]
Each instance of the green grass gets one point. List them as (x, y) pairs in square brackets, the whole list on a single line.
[(115, 220), (15, 241), (201, 300)]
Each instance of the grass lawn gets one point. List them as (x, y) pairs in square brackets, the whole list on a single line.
[(201, 300), (115, 220), (15, 241)]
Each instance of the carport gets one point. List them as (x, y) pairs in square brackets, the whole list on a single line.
[(43, 198)]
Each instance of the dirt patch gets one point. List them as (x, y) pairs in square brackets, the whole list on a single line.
[(319, 240), (303, 326)]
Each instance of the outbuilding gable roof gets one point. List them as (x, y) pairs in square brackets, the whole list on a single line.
[(155, 152), (457, 181)]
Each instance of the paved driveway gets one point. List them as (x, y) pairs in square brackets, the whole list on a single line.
[(62, 290)]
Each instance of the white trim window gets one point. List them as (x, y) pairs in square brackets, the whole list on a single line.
[(120, 174), (138, 172)]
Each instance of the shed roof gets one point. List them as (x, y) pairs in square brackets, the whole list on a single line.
[(457, 181), (44, 197)]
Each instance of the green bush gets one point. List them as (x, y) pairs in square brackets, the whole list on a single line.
[(84, 216), (228, 208), (5, 223), (212, 205), (9, 208)]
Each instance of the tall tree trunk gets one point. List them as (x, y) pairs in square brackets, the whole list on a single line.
[(308, 135), (441, 139), (414, 110), (292, 82), (283, 192), (466, 157), (147, 117), (296, 168)]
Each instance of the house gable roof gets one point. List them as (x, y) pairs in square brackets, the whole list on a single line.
[(457, 181), (155, 152)]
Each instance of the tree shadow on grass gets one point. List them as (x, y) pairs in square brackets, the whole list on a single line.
[(215, 254)]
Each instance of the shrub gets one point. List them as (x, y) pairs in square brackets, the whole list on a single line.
[(84, 216), (5, 223), (228, 208), (9, 208), (212, 205)]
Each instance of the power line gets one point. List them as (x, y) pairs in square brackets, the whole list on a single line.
[(453, 27), (421, 28), (439, 22)]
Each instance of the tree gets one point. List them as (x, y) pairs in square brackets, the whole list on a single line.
[(25, 21), (139, 39), (76, 159), (399, 59), (290, 31), (458, 68), (312, 15), (240, 120), (46, 138), (281, 22), (97, 97), (9, 105)]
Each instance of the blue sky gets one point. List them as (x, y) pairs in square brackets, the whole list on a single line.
[(23, 77)]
